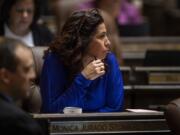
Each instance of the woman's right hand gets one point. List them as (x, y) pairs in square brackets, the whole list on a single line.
[(94, 70)]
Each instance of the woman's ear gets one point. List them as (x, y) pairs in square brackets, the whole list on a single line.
[(5, 76)]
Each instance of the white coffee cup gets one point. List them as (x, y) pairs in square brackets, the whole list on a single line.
[(72, 110)]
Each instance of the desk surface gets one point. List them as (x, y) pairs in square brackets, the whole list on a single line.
[(120, 115)]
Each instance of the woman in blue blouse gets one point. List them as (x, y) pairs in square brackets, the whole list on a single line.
[(79, 70)]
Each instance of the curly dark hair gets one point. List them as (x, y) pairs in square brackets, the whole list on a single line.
[(6, 6), (71, 45)]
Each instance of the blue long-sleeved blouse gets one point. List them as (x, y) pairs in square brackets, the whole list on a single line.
[(104, 94)]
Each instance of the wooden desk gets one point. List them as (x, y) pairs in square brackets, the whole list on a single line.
[(150, 87), (106, 123), (154, 96), (134, 49), (150, 75), (156, 75)]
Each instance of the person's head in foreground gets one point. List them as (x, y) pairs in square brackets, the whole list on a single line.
[(16, 68)]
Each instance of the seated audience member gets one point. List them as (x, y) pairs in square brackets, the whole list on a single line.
[(112, 7), (19, 21), (129, 14), (16, 72), (79, 70)]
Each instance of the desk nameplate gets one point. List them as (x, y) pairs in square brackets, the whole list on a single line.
[(130, 123), (108, 126)]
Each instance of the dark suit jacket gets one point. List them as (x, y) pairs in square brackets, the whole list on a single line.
[(41, 35), (14, 121)]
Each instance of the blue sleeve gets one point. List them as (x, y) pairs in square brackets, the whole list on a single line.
[(55, 95), (115, 91)]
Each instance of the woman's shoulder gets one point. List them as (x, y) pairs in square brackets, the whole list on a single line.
[(51, 57), (52, 62), (112, 61)]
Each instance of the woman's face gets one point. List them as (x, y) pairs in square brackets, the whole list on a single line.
[(100, 44), (21, 14)]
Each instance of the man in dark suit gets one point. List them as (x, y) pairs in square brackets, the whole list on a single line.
[(16, 73)]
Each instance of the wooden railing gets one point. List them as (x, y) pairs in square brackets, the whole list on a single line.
[(150, 75), (134, 49)]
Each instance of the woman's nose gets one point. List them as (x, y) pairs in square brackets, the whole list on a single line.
[(107, 43)]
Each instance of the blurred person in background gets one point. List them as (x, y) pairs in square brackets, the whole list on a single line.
[(112, 7), (124, 11), (19, 20)]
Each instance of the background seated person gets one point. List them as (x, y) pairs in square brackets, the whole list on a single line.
[(16, 73), (79, 69), (19, 21), (130, 21)]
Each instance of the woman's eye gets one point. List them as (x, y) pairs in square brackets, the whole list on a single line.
[(102, 35)]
